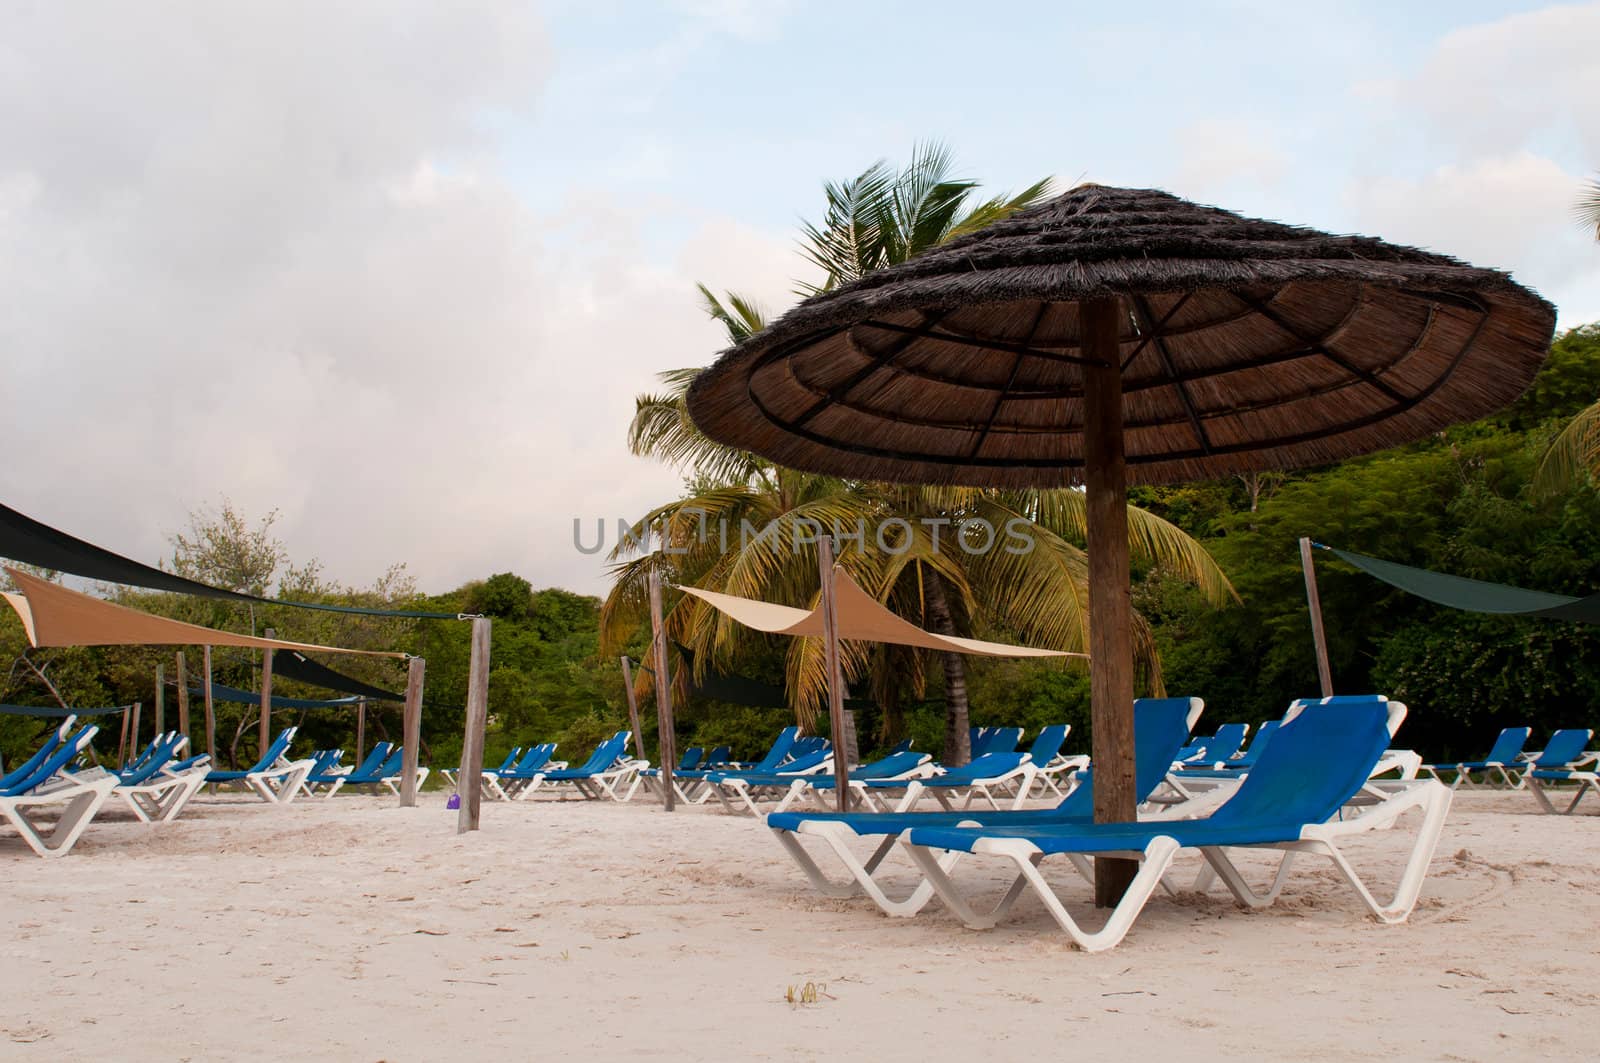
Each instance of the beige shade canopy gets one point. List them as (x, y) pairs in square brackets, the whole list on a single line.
[(53, 615), (861, 617)]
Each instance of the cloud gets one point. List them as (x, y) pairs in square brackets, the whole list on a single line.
[(1508, 102), (270, 254), (1217, 154)]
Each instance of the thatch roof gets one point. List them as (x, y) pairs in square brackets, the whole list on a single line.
[(1246, 345)]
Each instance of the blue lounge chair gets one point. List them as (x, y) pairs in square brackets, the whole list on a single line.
[(1320, 759), (813, 776), (48, 747), (1563, 760), (158, 790), (1504, 759), (504, 782), (384, 755), (717, 758), (1235, 768), (274, 778), (1224, 745), (691, 758), (607, 769), (995, 740), (690, 786), (48, 783), (1160, 727)]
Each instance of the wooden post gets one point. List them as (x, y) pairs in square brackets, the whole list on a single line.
[(633, 706), (471, 789), (831, 662), (211, 710), (361, 728), (1318, 636), (665, 738), (122, 743), (411, 727), (133, 733), (161, 699), (1110, 608), (265, 732), (183, 697)]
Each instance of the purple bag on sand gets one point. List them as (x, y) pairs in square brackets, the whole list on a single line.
[(454, 802)]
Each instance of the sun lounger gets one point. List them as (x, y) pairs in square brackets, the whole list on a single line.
[(47, 785), (1161, 726), (503, 782), (995, 740), (747, 787), (813, 779), (689, 786), (1317, 762), (156, 793), (1563, 761), (1503, 759), (691, 759), (384, 760), (274, 778), (607, 769), (1224, 745), (1011, 772)]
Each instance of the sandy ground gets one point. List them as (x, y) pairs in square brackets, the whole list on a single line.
[(350, 929)]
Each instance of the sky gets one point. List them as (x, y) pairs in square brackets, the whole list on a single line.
[(398, 269)]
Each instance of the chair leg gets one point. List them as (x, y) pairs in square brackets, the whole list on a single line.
[(1157, 857), (76, 815)]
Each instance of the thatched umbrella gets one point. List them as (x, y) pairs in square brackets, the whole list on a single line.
[(1117, 334)]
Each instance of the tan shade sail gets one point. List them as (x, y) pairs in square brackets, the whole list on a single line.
[(861, 617), (53, 615)]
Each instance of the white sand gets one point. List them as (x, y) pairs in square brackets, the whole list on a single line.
[(353, 930)]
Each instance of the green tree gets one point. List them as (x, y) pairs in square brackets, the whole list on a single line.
[(773, 515)]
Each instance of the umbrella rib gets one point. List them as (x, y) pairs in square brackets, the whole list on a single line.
[(1317, 346), (930, 333), (878, 361), (1400, 406), (1016, 364), (1158, 330), (1141, 308)]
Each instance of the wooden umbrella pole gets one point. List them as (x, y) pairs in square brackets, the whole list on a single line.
[(361, 728), (161, 699), (211, 710), (1110, 608), (264, 732), (665, 738), (1319, 637), (411, 728), (133, 733), (633, 706), (471, 788), (831, 661), (183, 696), (122, 742)]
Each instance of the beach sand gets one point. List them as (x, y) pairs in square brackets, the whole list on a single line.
[(350, 929)]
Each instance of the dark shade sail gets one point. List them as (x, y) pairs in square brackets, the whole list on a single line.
[(297, 666), (251, 697), (1472, 595), (24, 539), (58, 713)]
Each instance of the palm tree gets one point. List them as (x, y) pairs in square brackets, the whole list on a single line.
[(1576, 450), (748, 527), (1588, 208)]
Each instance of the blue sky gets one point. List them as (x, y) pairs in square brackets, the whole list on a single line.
[(397, 269)]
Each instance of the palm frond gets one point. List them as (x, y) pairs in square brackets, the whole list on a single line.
[(1588, 208), (740, 316), (1573, 454)]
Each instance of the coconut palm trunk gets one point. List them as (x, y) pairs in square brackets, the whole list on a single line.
[(957, 730)]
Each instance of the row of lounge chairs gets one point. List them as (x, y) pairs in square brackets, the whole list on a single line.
[(1565, 760), (159, 783), (1305, 788)]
